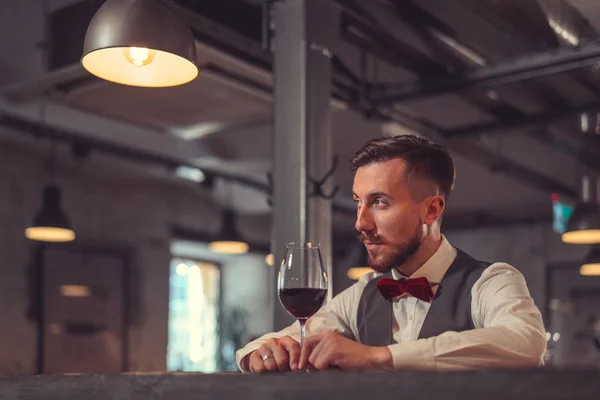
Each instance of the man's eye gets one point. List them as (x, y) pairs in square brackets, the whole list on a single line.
[(379, 202)]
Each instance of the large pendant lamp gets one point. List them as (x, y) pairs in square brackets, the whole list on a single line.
[(229, 240), (140, 43), (584, 225)]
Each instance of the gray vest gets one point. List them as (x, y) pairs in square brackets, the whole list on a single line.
[(450, 310)]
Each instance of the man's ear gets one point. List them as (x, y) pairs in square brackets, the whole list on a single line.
[(435, 208)]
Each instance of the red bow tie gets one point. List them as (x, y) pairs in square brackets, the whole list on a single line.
[(419, 288)]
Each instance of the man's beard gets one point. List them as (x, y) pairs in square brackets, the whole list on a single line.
[(397, 257)]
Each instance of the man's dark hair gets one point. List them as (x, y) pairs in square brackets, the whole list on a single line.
[(426, 162)]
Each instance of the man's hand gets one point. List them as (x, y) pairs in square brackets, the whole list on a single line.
[(330, 349), (285, 352)]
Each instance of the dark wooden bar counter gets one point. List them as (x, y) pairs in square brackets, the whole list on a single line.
[(489, 385)]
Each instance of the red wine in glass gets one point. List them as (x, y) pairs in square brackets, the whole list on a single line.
[(302, 303), (302, 282)]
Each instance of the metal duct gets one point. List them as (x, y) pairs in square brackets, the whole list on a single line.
[(570, 26)]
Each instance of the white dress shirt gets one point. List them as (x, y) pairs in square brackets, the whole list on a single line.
[(509, 331)]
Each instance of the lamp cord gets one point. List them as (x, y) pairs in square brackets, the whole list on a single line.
[(43, 112), (53, 160), (45, 48)]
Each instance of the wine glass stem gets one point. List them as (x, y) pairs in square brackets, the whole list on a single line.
[(302, 332)]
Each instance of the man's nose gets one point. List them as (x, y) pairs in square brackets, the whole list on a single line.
[(364, 220)]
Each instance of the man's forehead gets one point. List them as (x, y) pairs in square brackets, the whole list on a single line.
[(380, 175)]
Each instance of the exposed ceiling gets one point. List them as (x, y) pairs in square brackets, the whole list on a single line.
[(458, 71)]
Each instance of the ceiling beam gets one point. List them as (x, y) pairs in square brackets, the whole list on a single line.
[(254, 54), (582, 147), (371, 38), (35, 86), (413, 31), (122, 140), (472, 151), (95, 127), (520, 69), (499, 109), (508, 167), (523, 122), (561, 138), (113, 137)]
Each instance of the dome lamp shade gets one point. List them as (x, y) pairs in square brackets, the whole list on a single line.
[(140, 43)]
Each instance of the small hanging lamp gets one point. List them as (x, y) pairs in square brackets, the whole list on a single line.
[(140, 43), (584, 225), (50, 224), (229, 240), (363, 266), (591, 263), (270, 259)]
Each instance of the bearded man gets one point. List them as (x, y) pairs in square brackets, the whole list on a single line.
[(427, 305)]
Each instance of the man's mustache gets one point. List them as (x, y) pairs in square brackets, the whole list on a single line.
[(365, 238)]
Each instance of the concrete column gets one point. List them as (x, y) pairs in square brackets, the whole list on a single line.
[(305, 33)]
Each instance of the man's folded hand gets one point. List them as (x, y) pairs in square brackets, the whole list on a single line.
[(331, 350), (275, 355)]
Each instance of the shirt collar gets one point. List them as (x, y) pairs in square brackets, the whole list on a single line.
[(436, 267)]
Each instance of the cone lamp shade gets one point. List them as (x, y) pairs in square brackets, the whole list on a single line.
[(584, 225), (591, 264), (229, 240), (363, 268), (140, 43), (50, 224), (270, 259)]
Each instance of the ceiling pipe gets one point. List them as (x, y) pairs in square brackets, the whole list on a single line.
[(18, 126)]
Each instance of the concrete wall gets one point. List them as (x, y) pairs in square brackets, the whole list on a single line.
[(115, 202), (109, 202)]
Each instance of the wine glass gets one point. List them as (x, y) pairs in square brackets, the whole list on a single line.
[(302, 282)]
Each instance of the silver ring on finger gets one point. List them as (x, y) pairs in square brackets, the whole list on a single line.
[(268, 356)]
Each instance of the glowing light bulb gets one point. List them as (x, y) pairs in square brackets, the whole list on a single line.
[(139, 56), (181, 269)]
